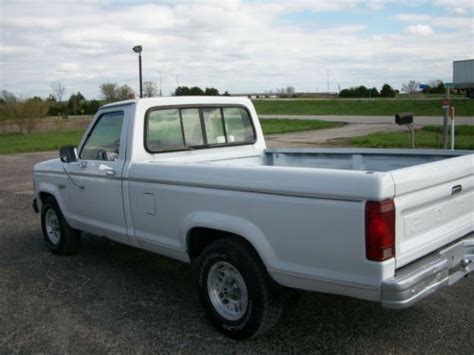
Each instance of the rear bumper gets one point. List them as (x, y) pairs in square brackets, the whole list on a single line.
[(442, 268)]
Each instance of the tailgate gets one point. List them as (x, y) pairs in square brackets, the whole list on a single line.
[(434, 206)]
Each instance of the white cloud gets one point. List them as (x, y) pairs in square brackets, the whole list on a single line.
[(417, 18), (68, 68), (419, 30), (459, 7), (233, 45)]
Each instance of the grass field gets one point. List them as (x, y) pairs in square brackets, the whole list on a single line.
[(37, 142), (426, 137), (43, 141), (464, 107)]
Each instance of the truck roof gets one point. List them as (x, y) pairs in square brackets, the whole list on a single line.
[(182, 100)]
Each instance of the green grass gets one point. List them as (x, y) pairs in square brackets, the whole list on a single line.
[(36, 142), (276, 126), (464, 107), (427, 137), (44, 141), (464, 130)]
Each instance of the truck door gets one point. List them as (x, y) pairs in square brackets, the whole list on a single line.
[(95, 200)]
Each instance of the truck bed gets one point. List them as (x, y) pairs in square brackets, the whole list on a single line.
[(376, 160), (380, 160), (433, 190)]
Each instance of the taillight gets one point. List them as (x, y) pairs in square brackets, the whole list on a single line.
[(380, 230)]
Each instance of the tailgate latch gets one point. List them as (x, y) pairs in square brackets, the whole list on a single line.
[(456, 189)]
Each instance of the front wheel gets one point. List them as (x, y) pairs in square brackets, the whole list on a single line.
[(236, 292), (60, 238)]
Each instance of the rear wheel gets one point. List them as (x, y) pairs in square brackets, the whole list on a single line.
[(60, 238), (237, 294)]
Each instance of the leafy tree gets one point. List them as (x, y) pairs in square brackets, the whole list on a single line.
[(289, 91), (109, 91), (51, 99), (75, 103), (182, 91), (186, 91), (7, 96), (26, 113), (410, 87), (57, 109), (90, 107), (435, 87), (373, 93), (211, 92), (125, 92), (113, 92), (226, 93), (359, 91), (149, 89), (196, 91), (387, 91)]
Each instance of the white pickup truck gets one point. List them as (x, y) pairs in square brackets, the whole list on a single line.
[(191, 178)]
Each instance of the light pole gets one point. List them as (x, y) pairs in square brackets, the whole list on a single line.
[(138, 49)]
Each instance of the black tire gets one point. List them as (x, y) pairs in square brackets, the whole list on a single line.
[(68, 241), (264, 305)]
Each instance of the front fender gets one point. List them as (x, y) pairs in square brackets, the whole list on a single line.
[(231, 224), (52, 189)]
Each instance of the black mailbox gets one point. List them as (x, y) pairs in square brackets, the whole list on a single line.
[(404, 118)]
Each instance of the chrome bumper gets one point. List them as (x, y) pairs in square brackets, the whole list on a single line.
[(423, 277)]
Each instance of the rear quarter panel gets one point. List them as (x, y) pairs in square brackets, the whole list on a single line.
[(305, 242)]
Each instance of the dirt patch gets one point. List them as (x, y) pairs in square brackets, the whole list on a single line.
[(51, 124)]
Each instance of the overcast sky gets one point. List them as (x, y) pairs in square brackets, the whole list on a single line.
[(235, 45)]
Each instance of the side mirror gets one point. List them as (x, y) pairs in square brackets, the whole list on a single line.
[(68, 154)]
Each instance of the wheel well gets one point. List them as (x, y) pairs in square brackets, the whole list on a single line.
[(44, 195), (199, 238)]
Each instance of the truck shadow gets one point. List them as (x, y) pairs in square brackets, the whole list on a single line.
[(160, 294)]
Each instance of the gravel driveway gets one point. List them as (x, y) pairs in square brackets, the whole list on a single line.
[(114, 298)]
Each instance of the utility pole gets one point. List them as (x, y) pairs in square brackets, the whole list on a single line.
[(161, 91), (446, 105), (327, 78), (452, 127)]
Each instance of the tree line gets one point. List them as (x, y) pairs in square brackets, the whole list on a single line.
[(24, 112), (434, 87)]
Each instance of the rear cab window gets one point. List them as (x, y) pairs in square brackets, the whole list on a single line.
[(181, 128)]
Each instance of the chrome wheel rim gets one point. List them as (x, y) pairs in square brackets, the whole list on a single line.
[(227, 290), (53, 229)]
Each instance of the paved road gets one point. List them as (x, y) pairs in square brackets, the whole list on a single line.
[(324, 136), (419, 120), (114, 298)]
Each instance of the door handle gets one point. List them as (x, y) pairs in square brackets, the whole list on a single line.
[(110, 172)]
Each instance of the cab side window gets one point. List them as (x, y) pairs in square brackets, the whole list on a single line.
[(103, 142)]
